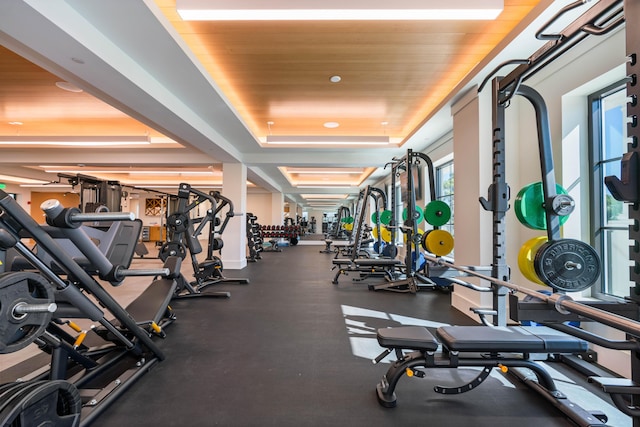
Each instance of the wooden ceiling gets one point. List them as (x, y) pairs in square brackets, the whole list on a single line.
[(276, 77), (393, 72)]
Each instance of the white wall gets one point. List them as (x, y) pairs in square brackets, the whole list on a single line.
[(259, 204)]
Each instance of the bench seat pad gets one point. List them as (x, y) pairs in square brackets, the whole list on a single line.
[(514, 339), (373, 262), (408, 338)]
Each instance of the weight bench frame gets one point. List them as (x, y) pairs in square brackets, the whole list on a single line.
[(484, 347), (366, 267)]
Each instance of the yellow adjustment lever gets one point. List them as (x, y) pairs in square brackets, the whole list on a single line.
[(503, 368), (157, 329), (80, 339), (74, 326), (409, 372)]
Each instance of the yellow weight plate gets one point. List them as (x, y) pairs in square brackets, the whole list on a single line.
[(374, 232), (348, 226), (526, 255), (438, 242), (385, 235)]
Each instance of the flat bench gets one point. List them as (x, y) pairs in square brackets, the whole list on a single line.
[(479, 346), (365, 266)]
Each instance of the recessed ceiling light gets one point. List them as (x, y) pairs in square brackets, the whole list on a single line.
[(16, 123), (69, 87), (335, 79), (322, 10), (331, 125)]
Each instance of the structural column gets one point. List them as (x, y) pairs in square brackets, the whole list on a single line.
[(234, 187), (277, 208)]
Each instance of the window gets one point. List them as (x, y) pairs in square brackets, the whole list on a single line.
[(444, 190), (607, 123)]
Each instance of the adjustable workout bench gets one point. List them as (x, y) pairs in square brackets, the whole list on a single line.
[(366, 267), (484, 347)]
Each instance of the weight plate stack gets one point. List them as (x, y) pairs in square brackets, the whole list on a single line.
[(42, 403)]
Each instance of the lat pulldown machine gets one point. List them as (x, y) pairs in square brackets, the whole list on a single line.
[(184, 237)]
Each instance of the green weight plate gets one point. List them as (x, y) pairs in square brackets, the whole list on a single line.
[(385, 217), (437, 213), (375, 217), (567, 265), (529, 206), (417, 216), (348, 220)]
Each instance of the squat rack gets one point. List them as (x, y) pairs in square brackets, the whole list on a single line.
[(602, 18)]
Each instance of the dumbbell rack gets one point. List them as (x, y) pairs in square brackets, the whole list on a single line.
[(254, 239), (290, 232)]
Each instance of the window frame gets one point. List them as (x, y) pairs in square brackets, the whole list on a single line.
[(599, 228)]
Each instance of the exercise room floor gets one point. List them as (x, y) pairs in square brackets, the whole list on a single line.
[(291, 349)]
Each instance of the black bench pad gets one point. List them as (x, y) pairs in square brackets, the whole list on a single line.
[(408, 338), (508, 339), (373, 262), (367, 262)]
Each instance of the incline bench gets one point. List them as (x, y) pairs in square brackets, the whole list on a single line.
[(484, 347)]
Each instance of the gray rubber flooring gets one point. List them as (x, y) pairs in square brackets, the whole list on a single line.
[(291, 349)]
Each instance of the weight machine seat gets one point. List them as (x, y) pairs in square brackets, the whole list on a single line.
[(152, 303), (408, 338), (515, 339)]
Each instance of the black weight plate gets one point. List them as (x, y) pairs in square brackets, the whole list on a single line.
[(172, 249), (9, 399), (178, 222), (217, 244), (390, 251), (7, 390), (55, 403), (22, 287), (567, 265)]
